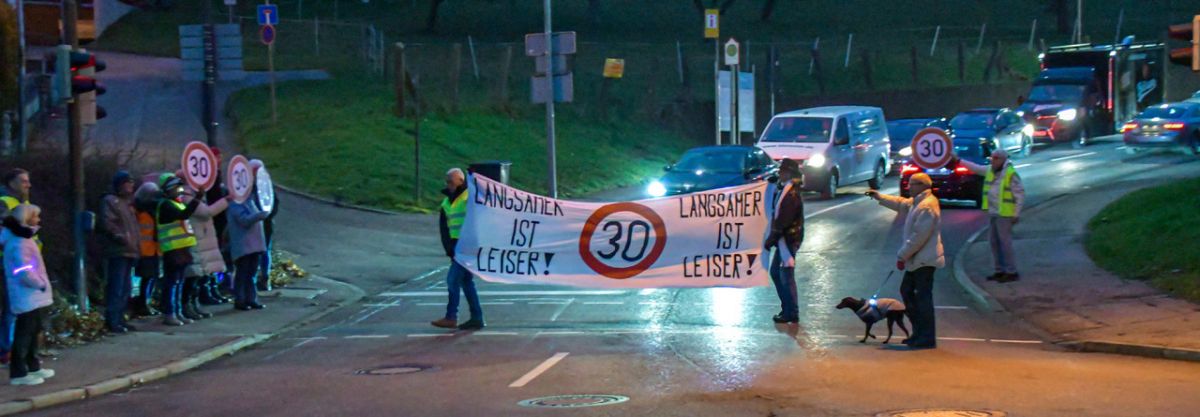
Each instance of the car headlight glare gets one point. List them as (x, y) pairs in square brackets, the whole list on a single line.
[(906, 151), (1027, 130), (1068, 115), (816, 161), (656, 189)]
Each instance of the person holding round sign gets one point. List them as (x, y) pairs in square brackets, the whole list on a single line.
[(920, 254), (1003, 198), (264, 198), (175, 240), (247, 242)]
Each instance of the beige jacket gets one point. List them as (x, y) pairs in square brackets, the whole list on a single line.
[(922, 230)]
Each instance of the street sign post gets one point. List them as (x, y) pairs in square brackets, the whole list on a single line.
[(199, 166), (266, 34), (733, 57), (268, 17), (932, 148), (240, 180), (268, 14), (732, 52), (712, 23)]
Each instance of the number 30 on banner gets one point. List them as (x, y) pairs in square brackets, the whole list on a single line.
[(199, 166), (240, 180), (932, 148)]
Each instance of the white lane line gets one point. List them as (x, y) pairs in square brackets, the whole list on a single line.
[(367, 336), (430, 273), (495, 303), (1025, 342), (1121, 148), (489, 333), (963, 339), (545, 366), (431, 335), (828, 209), (302, 342), (432, 304), (498, 293), (1022, 166), (604, 302), (647, 291), (1064, 158), (376, 311), (559, 333), (548, 302)]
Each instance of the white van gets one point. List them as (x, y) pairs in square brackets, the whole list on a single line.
[(836, 146)]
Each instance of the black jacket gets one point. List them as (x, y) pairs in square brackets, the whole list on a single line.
[(788, 223), (448, 243)]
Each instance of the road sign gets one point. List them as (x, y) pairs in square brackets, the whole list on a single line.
[(614, 68), (268, 14), (199, 166), (932, 148), (266, 189), (266, 33), (712, 23), (564, 43), (240, 180), (732, 52), (231, 3)]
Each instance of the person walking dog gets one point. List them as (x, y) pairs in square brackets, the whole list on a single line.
[(920, 255), (1003, 198)]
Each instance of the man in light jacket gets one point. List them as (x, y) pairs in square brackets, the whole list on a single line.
[(1003, 198), (121, 232), (919, 256)]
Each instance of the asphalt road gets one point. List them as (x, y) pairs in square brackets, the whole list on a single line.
[(693, 352)]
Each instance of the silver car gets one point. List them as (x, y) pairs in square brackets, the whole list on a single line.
[(1172, 125)]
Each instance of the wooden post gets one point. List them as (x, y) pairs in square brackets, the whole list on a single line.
[(817, 73), (913, 55), (455, 73), (679, 60), (474, 62), (505, 68), (987, 71), (317, 35), (412, 85), (962, 63), (866, 62), (399, 71)]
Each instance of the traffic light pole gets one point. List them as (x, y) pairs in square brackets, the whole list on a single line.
[(75, 149)]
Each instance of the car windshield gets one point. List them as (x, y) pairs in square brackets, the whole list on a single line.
[(971, 150), (1164, 112), (902, 132), (799, 129), (1057, 93), (972, 121), (718, 162)]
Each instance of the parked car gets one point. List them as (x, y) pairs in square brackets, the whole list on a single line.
[(1003, 127), (957, 182), (835, 145), (1195, 98), (903, 131), (1167, 125), (711, 167)]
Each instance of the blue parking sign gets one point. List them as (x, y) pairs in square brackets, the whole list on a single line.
[(268, 14)]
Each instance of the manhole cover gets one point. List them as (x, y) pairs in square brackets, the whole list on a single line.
[(573, 401), (394, 370), (943, 413)]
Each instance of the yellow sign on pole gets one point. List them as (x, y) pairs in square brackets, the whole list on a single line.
[(712, 23), (614, 68)]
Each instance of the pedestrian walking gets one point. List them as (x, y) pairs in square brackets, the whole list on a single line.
[(787, 234), (458, 278), (1003, 198), (175, 239), (149, 264), (120, 230), (14, 192), (920, 255), (29, 292), (206, 255), (247, 244)]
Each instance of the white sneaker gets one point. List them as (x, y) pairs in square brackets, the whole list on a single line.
[(43, 373), (27, 380)]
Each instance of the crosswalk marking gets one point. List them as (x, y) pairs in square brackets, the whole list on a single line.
[(501, 293)]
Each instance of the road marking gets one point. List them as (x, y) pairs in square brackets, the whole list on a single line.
[(430, 273), (963, 339), (1027, 342), (545, 366), (431, 335), (368, 336), (495, 303), (1064, 158), (490, 333), (828, 209), (1022, 166), (302, 342), (1119, 148), (604, 302), (559, 333), (499, 293), (376, 311), (548, 302)]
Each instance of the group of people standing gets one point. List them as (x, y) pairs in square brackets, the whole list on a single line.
[(180, 242)]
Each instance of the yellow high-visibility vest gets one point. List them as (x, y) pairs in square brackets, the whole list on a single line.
[(1008, 203), (456, 213), (174, 235)]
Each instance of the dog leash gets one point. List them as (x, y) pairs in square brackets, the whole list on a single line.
[(885, 281)]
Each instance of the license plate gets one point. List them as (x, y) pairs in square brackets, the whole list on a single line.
[(938, 172)]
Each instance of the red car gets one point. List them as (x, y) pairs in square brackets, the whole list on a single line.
[(957, 182)]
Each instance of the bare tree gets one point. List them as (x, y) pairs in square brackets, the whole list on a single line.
[(431, 21), (767, 10)]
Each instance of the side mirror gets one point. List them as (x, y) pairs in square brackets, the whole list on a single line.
[(752, 171), (839, 141), (668, 167)]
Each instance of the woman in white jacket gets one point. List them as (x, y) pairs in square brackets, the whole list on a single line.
[(206, 255), (29, 292)]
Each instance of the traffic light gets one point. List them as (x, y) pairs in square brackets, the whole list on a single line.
[(1189, 56), (74, 79)]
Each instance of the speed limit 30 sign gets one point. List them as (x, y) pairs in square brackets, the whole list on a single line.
[(932, 148), (199, 166), (240, 180)]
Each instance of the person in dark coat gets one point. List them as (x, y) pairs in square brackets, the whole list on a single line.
[(121, 231), (787, 233)]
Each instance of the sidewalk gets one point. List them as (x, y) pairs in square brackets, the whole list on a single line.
[(156, 351), (1080, 305)]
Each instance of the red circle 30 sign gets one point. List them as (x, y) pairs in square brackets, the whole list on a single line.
[(624, 243)]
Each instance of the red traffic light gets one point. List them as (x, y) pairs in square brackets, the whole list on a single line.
[(1182, 31), (1189, 56)]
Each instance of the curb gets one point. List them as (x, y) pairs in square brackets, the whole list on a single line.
[(335, 202), (193, 361), (978, 295), (1148, 351)]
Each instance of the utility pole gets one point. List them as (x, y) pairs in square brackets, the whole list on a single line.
[(552, 163), (208, 86), (75, 145), (21, 126)]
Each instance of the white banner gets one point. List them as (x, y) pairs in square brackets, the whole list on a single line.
[(707, 239)]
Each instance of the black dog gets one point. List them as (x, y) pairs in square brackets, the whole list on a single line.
[(891, 309)]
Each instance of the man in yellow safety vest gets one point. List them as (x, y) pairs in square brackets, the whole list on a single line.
[(175, 237), (453, 213), (1003, 198)]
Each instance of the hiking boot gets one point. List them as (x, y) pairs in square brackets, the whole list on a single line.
[(445, 323), (472, 324), (190, 313)]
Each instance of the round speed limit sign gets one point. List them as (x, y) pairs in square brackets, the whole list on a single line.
[(199, 166), (932, 148), (240, 180)]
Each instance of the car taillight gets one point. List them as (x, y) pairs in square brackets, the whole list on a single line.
[(1173, 126), (909, 169), (1128, 126), (962, 170)]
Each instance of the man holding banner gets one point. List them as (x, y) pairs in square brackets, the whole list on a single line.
[(787, 233), (450, 223)]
